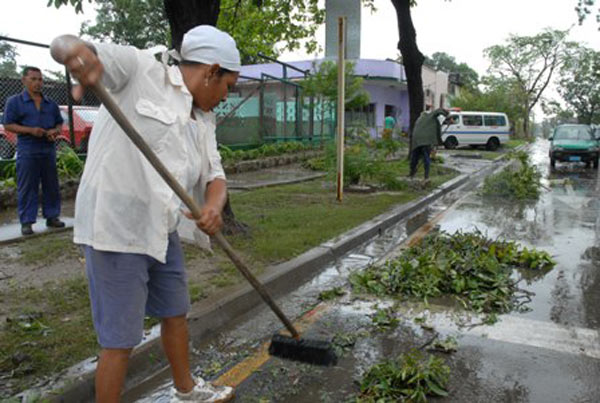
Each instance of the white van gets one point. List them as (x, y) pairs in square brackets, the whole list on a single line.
[(475, 128)]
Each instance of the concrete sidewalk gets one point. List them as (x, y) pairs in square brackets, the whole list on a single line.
[(11, 232)]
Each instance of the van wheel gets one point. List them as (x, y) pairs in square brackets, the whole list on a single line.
[(7, 150), (451, 143), (553, 162), (492, 144), (596, 163)]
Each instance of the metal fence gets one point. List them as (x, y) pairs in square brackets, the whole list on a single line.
[(57, 86), (259, 110), (272, 109)]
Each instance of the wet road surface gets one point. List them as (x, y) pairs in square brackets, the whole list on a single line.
[(550, 354)]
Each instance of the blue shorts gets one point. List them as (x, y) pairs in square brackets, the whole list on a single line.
[(125, 287)]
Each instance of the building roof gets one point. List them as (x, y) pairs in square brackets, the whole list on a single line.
[(369, 68)]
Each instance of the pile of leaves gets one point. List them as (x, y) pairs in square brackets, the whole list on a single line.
[(472, 268), (412, 377), (522, 183), (266, 150)]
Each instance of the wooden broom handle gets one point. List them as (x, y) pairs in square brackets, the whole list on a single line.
[(195, 209)]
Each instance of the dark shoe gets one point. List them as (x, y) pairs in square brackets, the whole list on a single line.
[(26, 229), (54, 223)]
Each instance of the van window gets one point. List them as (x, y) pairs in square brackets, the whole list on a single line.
[(472, 120), (494, 120), (452, 120)]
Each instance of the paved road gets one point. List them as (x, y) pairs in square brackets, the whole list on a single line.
[(550, 354)]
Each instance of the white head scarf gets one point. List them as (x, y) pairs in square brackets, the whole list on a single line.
[(209, 45)]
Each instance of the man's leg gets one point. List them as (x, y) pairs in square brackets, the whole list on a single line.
[(50, 187), (110, 374), (427, 160), (175, 340), (28, 184), (414, 161)]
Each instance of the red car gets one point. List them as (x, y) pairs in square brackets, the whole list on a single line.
[(83, 121)]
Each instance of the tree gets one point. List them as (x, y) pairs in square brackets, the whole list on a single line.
[(266, 26), (412, 59), (579, 85), (531, 61), (557, 113), (8, 62), (496, 95), (323, 83), (467, 77), (584, 8), (139, 23)]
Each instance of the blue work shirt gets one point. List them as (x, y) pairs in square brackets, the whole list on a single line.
[(20, 109)]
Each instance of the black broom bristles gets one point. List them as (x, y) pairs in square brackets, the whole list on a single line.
[(318, 352)]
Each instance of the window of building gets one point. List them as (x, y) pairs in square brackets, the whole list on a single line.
[(364, 116)]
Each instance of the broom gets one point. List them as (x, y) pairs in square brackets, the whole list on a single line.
[(318, 352)]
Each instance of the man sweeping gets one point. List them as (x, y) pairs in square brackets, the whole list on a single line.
[(126, 216), (427, 133)]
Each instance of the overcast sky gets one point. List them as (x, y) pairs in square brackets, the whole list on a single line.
[(464, 28), (461, 28)]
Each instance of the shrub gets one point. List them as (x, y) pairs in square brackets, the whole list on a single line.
[(522, 183), (68, 164)]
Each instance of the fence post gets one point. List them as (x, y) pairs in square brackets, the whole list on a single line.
[(261, 111), (299, 108)]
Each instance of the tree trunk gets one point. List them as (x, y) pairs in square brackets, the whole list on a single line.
[(412, 59), (184, 15)]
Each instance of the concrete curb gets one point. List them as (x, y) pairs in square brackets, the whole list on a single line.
[(209, 317), (276, 183)]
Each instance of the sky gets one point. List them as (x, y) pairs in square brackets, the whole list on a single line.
[(461, 28), (464, 28)]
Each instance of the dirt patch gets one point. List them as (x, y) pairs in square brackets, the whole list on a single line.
[(45, 318)]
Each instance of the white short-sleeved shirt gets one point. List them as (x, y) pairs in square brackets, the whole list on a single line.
[(122, 204)]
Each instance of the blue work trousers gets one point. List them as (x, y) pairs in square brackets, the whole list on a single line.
[(416, 155), (35, 167)]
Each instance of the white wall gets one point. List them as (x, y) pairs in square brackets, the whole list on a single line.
[(435, 88)]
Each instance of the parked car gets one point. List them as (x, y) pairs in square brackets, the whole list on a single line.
[(83, 121), (574, 143), (490, 129)]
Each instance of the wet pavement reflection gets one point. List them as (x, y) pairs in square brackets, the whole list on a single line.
[(549, 354)]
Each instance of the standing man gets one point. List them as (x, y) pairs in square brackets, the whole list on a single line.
[(37, 121), (427, 133)]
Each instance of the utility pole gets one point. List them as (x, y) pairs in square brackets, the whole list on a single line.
[(341, 106)]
